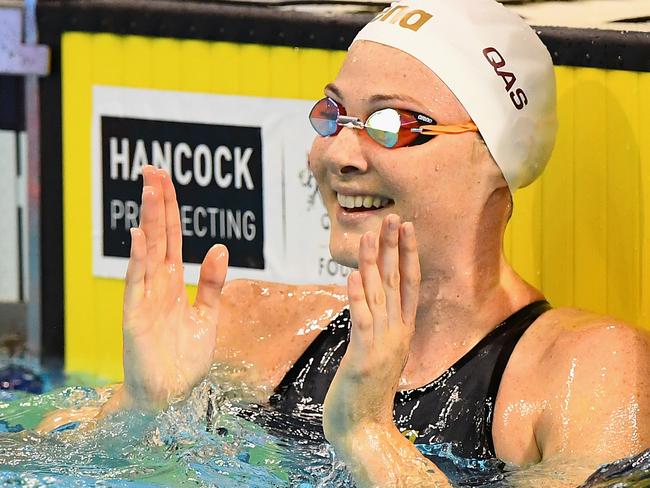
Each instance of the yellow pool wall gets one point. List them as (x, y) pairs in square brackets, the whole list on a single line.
[(581, 233)]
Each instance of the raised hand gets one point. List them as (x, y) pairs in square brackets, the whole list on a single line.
[(168, 343), (383, 296)]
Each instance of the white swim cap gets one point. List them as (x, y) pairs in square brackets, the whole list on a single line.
[(495, 65)]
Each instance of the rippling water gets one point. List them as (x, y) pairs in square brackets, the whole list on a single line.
[(208, 441)]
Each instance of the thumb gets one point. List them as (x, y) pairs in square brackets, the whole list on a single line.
[(212, 277)]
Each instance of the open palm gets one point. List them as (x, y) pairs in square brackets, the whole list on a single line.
[(168, 343)]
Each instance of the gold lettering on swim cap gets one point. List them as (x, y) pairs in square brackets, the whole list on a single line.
[(396, 9), (380, 14), (409, 19), (422, 18)]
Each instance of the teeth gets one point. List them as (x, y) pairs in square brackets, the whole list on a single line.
[(365, 201)]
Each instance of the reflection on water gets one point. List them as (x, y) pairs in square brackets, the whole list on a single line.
[(213, 438)]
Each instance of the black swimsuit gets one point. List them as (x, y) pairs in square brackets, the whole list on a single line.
[(456, 408)]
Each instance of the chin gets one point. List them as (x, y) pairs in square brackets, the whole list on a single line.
[(351, 261), (345, 250)]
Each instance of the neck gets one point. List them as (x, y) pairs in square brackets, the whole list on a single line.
[(466, 300), (464, 294)]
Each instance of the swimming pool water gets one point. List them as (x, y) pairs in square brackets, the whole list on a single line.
[(207, 441)]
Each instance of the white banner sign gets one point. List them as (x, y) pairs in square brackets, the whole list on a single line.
[(239, 165)]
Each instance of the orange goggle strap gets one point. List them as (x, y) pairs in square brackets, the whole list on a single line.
[(434, 130)]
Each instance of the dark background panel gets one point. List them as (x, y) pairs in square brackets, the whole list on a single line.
[(220, 205), (12, 105), (52, 338)]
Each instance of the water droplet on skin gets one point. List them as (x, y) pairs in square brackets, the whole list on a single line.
[(564, 408), (311, 325)]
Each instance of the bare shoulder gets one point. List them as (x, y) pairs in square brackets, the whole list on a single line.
[(565, 336), (270, 306), (269, 325), (258, 291), (585, 381)]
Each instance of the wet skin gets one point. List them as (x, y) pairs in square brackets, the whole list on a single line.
[(576, 386)]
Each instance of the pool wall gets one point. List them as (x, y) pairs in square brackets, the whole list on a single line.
[(581, 233)]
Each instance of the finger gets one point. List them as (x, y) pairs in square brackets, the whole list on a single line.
[(152, 221), (212, 277), (409, 270), (360, 315), (156, 184), (151, 204), (388, 262), (174, 252), (134, 289), (372, 285)]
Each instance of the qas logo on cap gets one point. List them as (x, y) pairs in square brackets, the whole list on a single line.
[(401, 15), (498, 62)]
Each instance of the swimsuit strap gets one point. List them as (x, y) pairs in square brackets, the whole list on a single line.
[(337, 331)]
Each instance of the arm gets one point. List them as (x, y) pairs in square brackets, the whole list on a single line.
[(169, 343), (597, 400), (597, 392), (379, 455), (357, 414)]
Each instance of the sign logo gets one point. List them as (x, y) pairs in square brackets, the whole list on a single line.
[(217, 172), (404, 17), (239, 165), (517, 95)]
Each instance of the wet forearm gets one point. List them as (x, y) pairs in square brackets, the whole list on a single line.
[(381, 456)]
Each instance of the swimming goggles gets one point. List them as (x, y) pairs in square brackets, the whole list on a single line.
[(390, 127)]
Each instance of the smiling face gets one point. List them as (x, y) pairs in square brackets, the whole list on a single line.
[(437, 185)]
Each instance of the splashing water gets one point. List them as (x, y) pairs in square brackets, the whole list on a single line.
[(213, 438), (206, 440)]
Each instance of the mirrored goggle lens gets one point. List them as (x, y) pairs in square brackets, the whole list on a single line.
[(323, 117), (384, 127), (392, 128)]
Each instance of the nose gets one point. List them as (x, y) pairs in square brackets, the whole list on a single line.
[(343, 152)]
